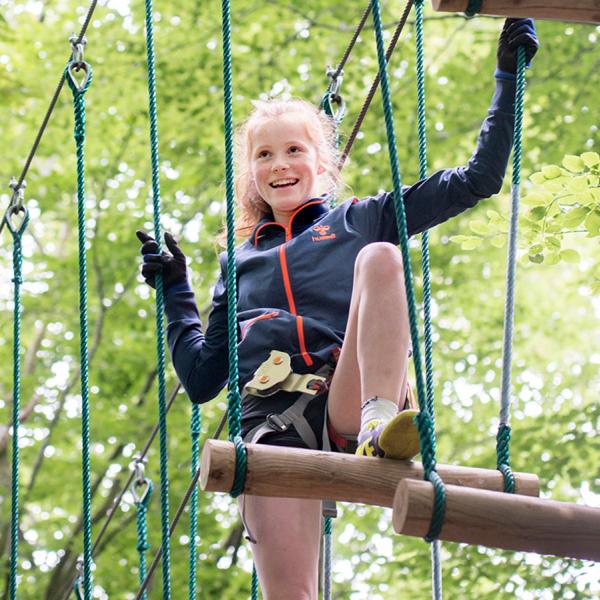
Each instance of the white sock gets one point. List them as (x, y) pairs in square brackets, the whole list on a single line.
[(377, 408)]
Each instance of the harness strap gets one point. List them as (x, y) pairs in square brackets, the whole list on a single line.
[(294, 415)]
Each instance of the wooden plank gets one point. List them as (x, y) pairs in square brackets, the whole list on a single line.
[(498, 520), (297, 473), (584, 11)]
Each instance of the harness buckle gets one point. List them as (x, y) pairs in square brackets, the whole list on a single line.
[(276, 422)]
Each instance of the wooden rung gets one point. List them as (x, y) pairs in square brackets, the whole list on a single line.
[(498, 520), (296, 473), (585, 11)]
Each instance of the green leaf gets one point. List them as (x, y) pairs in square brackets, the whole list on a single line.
[(498, 241), (552, 242), (538, 178), (590, 159), (537, 213), (578, 184), (574, 217), (459, 239), (551, 171), (479, 227), (592, 222), (536, 258), (537, 198), (573, 163), (570, 256), (471, 244), (551, 258), (536, 249), (596, 287)]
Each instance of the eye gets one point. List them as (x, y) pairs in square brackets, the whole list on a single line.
[(263, 154), (295, 149)]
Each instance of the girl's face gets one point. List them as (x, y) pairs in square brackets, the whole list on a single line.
[(285, 164)]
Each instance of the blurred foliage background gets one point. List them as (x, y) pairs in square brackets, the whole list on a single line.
[(281, 49)]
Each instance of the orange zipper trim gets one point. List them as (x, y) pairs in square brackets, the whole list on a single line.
[(270, 315), (290, 298)]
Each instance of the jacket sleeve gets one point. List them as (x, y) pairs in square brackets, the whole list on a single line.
[(200, 359), (449, 192)]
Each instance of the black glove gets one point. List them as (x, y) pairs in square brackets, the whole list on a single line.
[(171, 265), (515, 33)]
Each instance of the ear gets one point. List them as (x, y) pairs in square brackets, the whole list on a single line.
[(321, 169)]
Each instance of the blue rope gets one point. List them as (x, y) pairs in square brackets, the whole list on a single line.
[(503, 436)]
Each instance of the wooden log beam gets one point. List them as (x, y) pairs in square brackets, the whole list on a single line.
[(297, 473), (499, 520), (585, 11)]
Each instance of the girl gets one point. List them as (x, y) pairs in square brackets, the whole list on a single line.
[(322, 311)]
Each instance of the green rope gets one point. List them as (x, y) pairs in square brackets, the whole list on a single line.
[(142, 531), (17, 233), (255, 587), (79, 133), (195, 428), (160, 327), (421, 120), (503, 435), (424, 421), (428, 338), (234, 410), (473, 8)]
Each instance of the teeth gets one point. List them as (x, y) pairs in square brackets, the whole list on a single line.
[(282, 182)]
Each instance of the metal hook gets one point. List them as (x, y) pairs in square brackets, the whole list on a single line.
[(78, 583)]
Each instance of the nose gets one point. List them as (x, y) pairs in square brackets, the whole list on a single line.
[(280, 166)]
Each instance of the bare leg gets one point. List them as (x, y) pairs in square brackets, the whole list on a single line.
[(374, 356), (286, 552)]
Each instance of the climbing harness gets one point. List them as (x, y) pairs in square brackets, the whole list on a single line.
[(275, 375)]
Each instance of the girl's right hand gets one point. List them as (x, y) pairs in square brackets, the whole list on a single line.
[(171, 265)]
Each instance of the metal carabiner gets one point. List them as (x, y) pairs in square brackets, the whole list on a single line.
[(333, 95)]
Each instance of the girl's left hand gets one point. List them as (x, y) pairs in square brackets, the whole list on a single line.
[(515, 33)]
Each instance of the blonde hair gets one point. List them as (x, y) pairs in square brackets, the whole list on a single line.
[(320, 128)]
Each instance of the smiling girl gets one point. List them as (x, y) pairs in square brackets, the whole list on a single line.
[(322, 311)]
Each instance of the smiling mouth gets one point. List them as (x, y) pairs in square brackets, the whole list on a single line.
[(284, 183)]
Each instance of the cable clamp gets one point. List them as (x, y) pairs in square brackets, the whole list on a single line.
[(77, 63), (77, 46)]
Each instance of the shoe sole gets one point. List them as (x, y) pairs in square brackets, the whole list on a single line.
[(400, 437)]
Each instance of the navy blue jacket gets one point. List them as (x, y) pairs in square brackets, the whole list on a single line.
[(295, 282)]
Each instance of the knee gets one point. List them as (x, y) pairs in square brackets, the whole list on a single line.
[(381, 262)]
